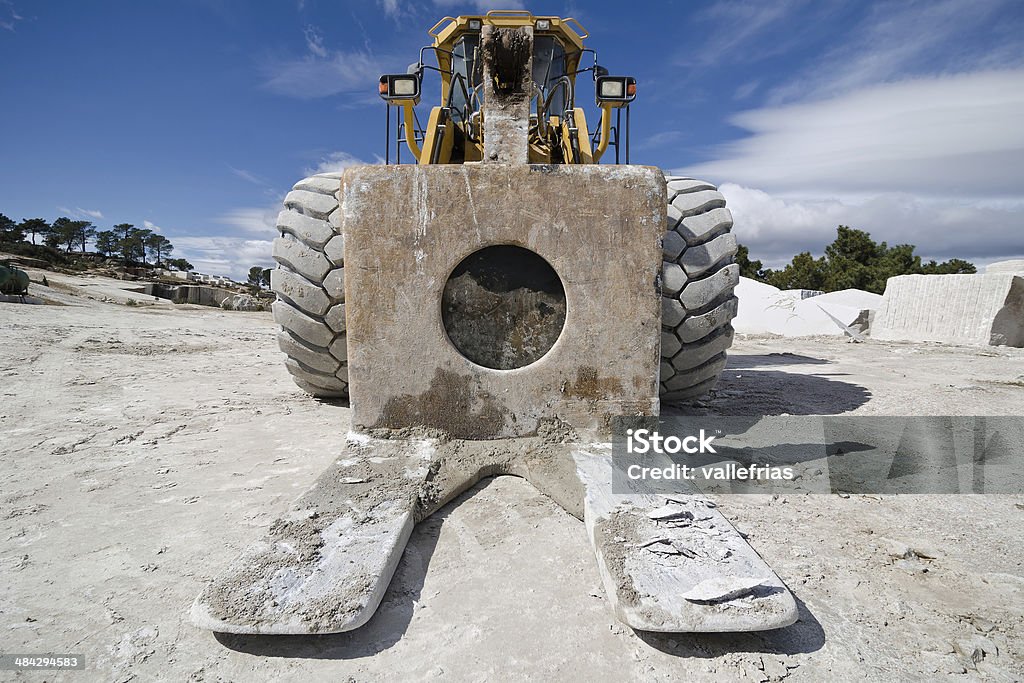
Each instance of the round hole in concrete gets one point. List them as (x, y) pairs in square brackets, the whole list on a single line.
[(503, 307)]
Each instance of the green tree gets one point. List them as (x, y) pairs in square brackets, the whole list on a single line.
[(750, 269), (10, 231), (106, 242), (35, 226), (854, 261), (60, 232), (158, 246), (84, 231), (953, 266), (132, 242), (805, 272), (180, 264), (256, 277)]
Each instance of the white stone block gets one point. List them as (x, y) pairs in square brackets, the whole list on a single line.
[(956, 309)]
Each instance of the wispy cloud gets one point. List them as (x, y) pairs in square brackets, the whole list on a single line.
[(315, 42), (255, 220), (954, 135), (81, 213), (249, 177), (9, 16), (221, 255), (390, 7), (746, 31), (937, 162), (897, 39), (775, 228), (337, 161), (659, 140), (321, 71)]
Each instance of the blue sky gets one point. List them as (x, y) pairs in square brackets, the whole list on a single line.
[(196, 116)]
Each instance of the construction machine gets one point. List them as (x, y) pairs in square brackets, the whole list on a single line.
[(497, 306)]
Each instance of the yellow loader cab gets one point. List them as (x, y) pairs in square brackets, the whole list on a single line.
[(557, 128)]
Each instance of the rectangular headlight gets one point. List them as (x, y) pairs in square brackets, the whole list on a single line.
[(613, 88), (543, 24), (403, 87)]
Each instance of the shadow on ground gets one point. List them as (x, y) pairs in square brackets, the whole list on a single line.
[(752, 385)]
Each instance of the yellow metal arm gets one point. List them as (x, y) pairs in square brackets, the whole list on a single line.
[(606, 131), (410, 130)]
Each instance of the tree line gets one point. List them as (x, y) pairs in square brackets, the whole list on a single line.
[(852, 261), (132, 244)]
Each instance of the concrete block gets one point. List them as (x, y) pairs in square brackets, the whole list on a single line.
[(598, 227), (957, 309)]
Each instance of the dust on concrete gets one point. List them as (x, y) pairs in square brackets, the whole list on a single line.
[(449, 405), (589, 385), (544, 460)]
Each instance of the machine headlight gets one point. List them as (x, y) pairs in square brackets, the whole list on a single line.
[(400, 87), (615, 89), (543, 25)]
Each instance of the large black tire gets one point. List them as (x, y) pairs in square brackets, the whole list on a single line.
[(698, 279), (310, 285)]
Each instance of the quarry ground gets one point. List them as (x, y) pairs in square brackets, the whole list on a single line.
[(141, 448)]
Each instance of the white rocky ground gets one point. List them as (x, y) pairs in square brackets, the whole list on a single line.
[(141, 448)]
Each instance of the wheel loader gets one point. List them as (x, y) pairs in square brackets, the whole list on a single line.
[(494, 300)]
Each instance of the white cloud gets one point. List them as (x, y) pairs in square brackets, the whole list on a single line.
[(249, 177), (390, 7), (737, 30), (255, 220), (310, 77), (81, 213), (337, 161), (775, 227), (9, 16), (221, 255), (936, 162), (315, 41), (947, 135), (898, 38)]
